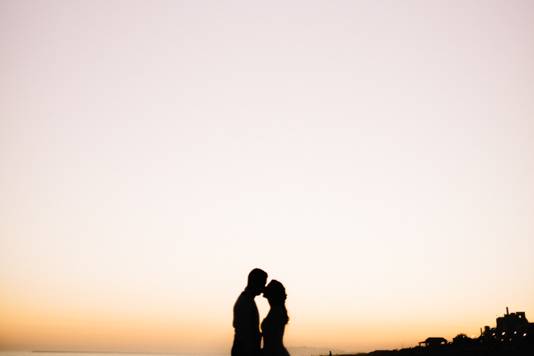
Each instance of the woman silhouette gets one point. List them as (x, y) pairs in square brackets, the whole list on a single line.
[(273, 325)]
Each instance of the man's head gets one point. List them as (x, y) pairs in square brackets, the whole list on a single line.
[(256, 281)]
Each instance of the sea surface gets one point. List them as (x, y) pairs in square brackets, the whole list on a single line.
[(89, 353), (296, 351)]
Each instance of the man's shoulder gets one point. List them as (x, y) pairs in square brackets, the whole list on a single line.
[(245, 298)]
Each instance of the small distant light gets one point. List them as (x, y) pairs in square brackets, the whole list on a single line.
[(525, 334), (503, 333), (515, 332)]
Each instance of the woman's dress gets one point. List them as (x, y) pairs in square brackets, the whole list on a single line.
[(272, 328)]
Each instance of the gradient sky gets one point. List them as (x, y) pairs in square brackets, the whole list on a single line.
[(376, 157)]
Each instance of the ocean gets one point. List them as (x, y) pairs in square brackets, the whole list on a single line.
[(111, 353), (294, 351)]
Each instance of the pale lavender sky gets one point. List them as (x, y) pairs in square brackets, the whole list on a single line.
[(376, 157)]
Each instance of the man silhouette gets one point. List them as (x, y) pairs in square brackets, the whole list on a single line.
[(247, 337)]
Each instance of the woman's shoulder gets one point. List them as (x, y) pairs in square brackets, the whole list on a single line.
[(281, 314)]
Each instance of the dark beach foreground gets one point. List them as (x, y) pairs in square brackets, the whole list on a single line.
[(457, 350)]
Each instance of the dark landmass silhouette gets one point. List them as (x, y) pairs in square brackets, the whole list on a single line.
[(512, 336)]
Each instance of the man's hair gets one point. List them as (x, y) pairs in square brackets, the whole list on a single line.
[(256, 275)]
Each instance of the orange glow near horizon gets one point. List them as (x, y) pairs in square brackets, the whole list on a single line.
[(54, 327)]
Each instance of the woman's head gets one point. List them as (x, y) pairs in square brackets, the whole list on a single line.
[(275, 292)]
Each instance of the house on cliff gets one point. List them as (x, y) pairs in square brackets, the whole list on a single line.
[(510, 327)]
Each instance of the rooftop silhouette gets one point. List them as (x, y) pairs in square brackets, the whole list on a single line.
[(513, 335)]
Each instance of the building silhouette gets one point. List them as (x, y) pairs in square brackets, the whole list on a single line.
[(433, 342), (512, 336), (511, 327)]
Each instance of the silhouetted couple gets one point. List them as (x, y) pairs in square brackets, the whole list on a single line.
[(247, 338)]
